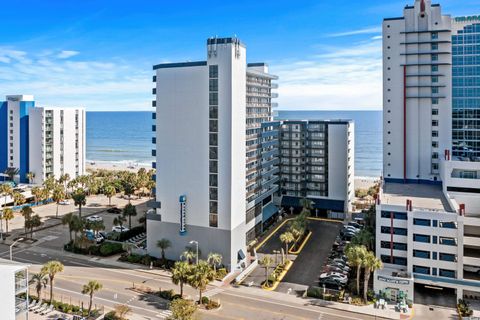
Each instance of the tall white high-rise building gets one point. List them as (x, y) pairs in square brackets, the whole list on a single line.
[(215, 174), (428, 209), (417, 93), (44, 141), (57, 142)]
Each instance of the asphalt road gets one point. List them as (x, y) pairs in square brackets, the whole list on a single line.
[(117, 284), (309, 262)]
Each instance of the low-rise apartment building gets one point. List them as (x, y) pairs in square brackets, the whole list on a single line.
[(14, 293)]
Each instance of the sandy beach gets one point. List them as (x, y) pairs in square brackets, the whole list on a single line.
[(117, 166), (360, 182)]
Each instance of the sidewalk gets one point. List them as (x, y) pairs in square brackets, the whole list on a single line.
[(366, 310)]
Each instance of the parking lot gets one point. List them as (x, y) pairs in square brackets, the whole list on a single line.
[(309, 262)]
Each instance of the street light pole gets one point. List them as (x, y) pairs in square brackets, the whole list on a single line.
[(196, 243), (11, 246)]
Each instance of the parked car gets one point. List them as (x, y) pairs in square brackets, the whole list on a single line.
[(94, 219), (474, 269), (98, 238), (331, 283), (350, 229), (114, 210), (340, 260), (64, 202), (355, 225), (334, 275), (335, 269), (339, 265), (119, 229)]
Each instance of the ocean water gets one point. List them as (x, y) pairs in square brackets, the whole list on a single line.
[(126, 137), (368, 135), (119, 137)]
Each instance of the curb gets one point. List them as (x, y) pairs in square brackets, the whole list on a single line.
[(302, 245), (280, 277)]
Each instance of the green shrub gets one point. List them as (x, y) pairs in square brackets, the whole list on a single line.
[(205, 300), (315, 292), (110, 248), (221, 273), (167, 294), (212, 305)]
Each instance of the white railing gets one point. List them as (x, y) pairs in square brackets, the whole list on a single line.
[(246, 272)]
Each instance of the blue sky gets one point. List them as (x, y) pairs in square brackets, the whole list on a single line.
[(99, 53)]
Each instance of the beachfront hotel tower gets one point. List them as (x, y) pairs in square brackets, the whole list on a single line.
[(44, 141), (215, 161), (417, 93), (428, 208)]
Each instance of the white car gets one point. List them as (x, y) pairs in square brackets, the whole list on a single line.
[(64, 202), (119, 229), (334, 275), (94, 219)]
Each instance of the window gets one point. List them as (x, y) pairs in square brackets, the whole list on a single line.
[(447, 241), (434, 155), (213, 153), (213, 207), (448, 224), (434, 255), (396, 245), (213, 194), (213, 71), (213, 85), (434, 35), (435, 68), (435, 134), (421, 254), (213, 98), (421, 270), (434, 90), (394, 260), (213, 166), (421, 238), (434, 122), (213, 125), (397, 231), (434, 239), (447, 273), (213, 220), (422, 222), (434, 144), (434, 46), (435, 100), (447, 257), (213, 112), (434, 79), (435, 57), (213, 180), (396, 215), (434, 112), (213, 139)]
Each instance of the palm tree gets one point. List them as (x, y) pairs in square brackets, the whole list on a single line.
[(18, 198), (80, 199), (30, 177), (214, 259), (307, 206), (180, 274), (200, 277), (266, 263), (109, 192), (40, 281), (129, 211), (164, 244), (57, 196), (65, 179), (356, 256), (49, 183), (129, 190), (287, 238), (27, 215), (365, 238), (51, 268), (371, 264), (37, 193), (7, 216), (5, 190), (121, 310), (90, 288), (34, 222)]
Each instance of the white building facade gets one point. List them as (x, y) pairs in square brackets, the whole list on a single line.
[(317, 162), (417, 91), (428, 210), (208, 126), (57, 142), (14, 293), (45, 141)]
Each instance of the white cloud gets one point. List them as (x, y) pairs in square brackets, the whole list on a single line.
[(369, 30), (335, 79), (65, 54), (54, 80)]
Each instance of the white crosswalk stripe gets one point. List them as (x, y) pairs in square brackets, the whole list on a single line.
[(164, 314), (213, 292)]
